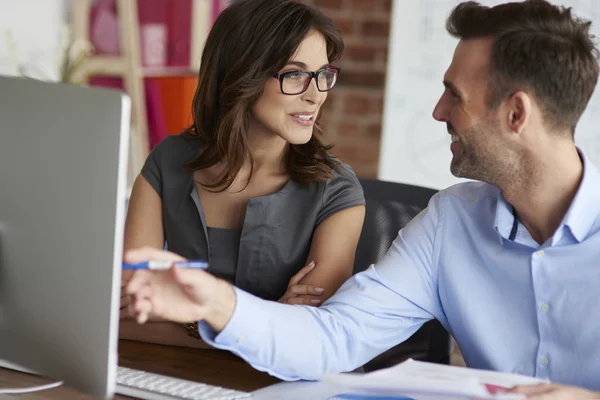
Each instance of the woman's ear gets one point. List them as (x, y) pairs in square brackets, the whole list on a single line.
[(519, 111)]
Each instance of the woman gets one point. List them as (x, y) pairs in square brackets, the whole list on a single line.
[(249, 186)]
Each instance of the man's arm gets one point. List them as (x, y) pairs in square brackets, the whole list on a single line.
[(371, 312)]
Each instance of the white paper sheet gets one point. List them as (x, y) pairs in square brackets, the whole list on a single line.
[(416, 377)]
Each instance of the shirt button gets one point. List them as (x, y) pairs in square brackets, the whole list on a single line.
[(544, 361), (545, 307), (240, 340), (539, 253)]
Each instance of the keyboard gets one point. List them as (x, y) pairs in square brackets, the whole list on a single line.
[(149, 386)]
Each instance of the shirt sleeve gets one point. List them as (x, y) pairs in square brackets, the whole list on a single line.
[(340, 192), (154, 167), (373, 311)]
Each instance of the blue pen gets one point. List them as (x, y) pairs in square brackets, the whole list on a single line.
[(160, 264)]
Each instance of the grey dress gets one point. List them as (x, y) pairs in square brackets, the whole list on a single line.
[(276, 236)]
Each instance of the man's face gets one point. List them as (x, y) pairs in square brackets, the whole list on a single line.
[(476, 134)]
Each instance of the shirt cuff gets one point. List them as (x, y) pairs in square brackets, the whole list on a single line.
[(245, 324)]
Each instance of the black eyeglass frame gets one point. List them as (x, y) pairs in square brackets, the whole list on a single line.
[(280, 76)]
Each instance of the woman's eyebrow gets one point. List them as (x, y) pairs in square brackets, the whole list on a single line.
[(302, 65)]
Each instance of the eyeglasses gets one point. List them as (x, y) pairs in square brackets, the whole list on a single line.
[(296, 82)]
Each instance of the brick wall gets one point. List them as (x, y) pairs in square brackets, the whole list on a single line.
[(354, 109)]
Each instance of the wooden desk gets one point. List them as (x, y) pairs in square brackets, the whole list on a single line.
[(214, 367)]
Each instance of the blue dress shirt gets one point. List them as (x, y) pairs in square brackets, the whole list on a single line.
[(512, 305)]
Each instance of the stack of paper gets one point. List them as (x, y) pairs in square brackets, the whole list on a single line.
[(422, 378)]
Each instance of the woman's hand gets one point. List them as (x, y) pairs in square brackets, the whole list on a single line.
[(302, 294), (177, 294), (548, 391)]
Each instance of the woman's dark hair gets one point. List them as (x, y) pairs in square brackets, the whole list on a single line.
[(251, 41), (538, 47)]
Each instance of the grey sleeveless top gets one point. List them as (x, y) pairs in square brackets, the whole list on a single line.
[(278, 228), (224, 246)]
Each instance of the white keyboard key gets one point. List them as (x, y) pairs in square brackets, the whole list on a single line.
[(146, 385)]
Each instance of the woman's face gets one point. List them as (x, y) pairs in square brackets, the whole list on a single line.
[(292, 117)]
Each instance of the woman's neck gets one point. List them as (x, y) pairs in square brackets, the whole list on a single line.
[(268, 153)]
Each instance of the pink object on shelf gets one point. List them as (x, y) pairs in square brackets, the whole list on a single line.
[(179, 32), (154, 45), (104, 27), (153, 32)]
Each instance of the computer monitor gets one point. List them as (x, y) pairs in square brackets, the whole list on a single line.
[(63, 161)]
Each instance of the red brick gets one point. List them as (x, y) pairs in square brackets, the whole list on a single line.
[(362, 79), (348, 27), (357, 153), (383, 55), (375, 28), (349, 130), (374, 131), (363, 5), (386, 5), (356, 105), (331, 102), (329, 4), (328, 131), (376, 106), (360, 52)]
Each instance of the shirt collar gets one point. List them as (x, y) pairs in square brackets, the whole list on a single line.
[(585, 206), (504, 220), (580, 216)]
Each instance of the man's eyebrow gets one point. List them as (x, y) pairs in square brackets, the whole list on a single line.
[(304, 66), (451, 86)]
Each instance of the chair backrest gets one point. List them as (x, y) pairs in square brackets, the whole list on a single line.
[(389, 207)]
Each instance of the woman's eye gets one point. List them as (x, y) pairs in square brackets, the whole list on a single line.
[(294, 76)]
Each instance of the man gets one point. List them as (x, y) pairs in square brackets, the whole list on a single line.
[(508, 265)]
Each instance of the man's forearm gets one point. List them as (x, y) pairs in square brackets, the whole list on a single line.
[(302, 342)]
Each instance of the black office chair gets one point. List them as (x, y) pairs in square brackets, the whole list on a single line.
[(390, 206)]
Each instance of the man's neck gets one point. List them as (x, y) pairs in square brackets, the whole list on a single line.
[(548, 185)]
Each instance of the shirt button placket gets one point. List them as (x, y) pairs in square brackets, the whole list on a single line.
[(542, 312)]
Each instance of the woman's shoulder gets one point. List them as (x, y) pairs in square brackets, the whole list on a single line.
[(342, 174), (343, 190), (176, 143), (344, 171), (174, 151)]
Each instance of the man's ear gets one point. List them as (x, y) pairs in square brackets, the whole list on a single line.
[(519, 111)]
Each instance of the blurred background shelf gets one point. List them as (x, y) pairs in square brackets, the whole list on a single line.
[(152, 72), (150, 49)]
